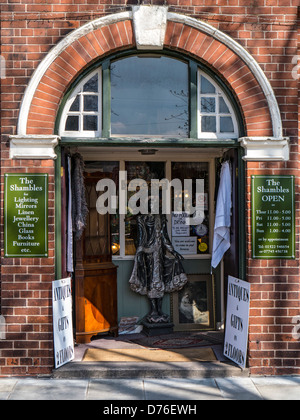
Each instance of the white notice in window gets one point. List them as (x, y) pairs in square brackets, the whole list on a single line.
[(185, 246), (180, 226)]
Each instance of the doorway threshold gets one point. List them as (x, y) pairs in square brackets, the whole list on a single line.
[(218, 366), (126, 370)]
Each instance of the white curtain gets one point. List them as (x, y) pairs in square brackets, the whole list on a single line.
[(221, 241)]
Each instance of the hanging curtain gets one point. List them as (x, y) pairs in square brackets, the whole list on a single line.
[(221, 241), (79, 205)]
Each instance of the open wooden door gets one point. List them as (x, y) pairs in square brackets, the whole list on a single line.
[(95, 274)]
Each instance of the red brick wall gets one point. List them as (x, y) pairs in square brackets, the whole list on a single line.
[(268, 29), (79, 55), (26, 292), (276, 284)]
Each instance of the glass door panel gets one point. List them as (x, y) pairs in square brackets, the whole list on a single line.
[(146, 171), (191, 239)]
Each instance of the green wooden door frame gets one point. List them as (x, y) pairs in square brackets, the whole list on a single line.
[(106, 100), (242, 213), (193, 142), (58, 235), (217, 272)]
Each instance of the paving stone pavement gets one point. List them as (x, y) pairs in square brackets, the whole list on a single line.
[(129, 390)]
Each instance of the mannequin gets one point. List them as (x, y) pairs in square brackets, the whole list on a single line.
[(157, 266)]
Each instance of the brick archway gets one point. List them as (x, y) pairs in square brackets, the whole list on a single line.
[(68, 65), (233, 70), (116, 33)]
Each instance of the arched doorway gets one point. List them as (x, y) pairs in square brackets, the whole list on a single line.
[(158, 116), (231, 65)]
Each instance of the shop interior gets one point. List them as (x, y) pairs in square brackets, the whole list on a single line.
[(107, 313)]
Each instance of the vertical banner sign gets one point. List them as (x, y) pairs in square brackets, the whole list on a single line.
[(62, 322), (273, 217), (26, 215), (237, 321)]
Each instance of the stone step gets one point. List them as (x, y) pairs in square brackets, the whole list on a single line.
[(126, 370)]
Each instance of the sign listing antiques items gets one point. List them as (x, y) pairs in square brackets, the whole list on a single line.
[(237, 321), (26, 215), (62, 322), (273, 217)]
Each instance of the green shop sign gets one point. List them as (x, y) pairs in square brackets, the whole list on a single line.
[(273, 217), (26, 215)]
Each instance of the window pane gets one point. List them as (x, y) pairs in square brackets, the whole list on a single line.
[(226, 125), (206, 86), (72, 123), (145, 171), (90, 103), (209, 125), (75, 105), (150, 96), (194, 239), (208, 105), (223, 107), (96, 224), (90, 123), (91, 85)]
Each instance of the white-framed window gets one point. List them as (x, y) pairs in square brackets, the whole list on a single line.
[(82, 114), (216, 117), (148, 96)]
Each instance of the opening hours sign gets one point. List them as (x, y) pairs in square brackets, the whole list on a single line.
[(273, 217)]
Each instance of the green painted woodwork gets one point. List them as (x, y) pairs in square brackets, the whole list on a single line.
[(129, 303), (26, 215), (58, 237), (273, 217)]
